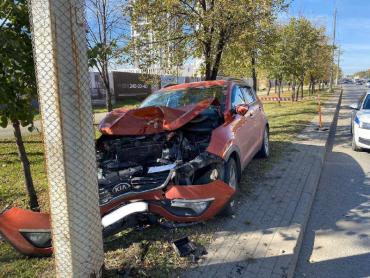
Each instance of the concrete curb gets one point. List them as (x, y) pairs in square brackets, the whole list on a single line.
[(303, 210)]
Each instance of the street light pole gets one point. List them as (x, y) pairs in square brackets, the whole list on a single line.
[(333, 50), (338, 64)]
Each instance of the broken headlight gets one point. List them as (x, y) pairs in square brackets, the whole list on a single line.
[(38, 238), (198, 206)]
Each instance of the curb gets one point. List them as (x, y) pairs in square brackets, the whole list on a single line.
[(303, 214)]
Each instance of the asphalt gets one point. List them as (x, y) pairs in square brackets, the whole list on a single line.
[(337, 238)]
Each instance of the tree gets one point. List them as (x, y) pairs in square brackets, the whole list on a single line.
[(273, 57), (204, 28), (242, 56), (106, 33), (17, 80)]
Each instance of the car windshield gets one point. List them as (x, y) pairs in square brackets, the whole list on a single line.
[(179, 98), (366, 104)]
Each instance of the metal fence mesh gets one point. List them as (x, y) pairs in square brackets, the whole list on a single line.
[(59, 42)]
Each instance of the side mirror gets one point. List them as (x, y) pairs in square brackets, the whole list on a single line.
[(242, 109), (354, 106)]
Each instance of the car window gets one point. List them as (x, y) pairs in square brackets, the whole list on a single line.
[(237, 96), (249, 95), (179, 98), (366, 104)]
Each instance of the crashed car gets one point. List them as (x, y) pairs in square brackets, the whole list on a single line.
[(176, 160)]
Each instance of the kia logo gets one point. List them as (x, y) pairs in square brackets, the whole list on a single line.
[(120, 187)]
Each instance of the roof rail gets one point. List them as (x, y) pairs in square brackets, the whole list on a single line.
[(169, 85)]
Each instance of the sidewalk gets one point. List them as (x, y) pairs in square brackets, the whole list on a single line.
[(264, 238)]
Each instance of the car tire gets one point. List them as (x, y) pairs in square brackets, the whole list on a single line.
[(354, 145), (264, 152), (231, 178)]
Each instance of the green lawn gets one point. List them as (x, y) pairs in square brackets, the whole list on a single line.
[(146, 253), (128, 103)]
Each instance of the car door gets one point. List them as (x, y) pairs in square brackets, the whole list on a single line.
[(242, 126), (257, 117)]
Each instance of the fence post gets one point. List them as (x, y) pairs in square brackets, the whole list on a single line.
[(59, 44)]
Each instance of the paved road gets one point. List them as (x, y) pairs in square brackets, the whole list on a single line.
[(337, 239)]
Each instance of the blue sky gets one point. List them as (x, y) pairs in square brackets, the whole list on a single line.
[(353, 27)]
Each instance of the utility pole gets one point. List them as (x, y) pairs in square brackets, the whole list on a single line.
[(333, 51), (338, 63)]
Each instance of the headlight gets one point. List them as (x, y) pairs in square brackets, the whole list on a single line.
[(361, 124), (364, 125), (39, 239), (198, 206)]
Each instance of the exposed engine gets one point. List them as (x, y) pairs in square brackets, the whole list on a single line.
[(134, 164)]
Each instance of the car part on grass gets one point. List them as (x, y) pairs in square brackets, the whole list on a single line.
[(163, 163), (27, 231), (183, 246)]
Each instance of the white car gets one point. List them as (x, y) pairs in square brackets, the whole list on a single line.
[(361, 123), (368, 84)]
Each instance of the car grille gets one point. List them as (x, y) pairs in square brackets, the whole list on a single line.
[(364, 141), (116, 186)]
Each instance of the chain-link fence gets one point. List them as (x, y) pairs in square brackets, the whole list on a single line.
[(59, 42)]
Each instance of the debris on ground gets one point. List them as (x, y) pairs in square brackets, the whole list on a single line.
[(185, 248)]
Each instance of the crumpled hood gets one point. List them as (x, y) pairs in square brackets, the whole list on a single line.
[(151, 119)]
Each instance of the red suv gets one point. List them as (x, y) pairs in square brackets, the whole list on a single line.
[(177, 158)]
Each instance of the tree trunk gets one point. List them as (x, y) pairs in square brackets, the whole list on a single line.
[(313, 87), (302, 90), (293, 90), (254, 72), (33, 203), (269, 88), (108, 95), (275, 86), (279, 95)]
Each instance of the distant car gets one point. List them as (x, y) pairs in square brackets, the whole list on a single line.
[(368, 84), (360, 123), (359, 82)]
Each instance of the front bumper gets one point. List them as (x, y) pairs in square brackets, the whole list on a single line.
[(171, 203), (15, 221), (362, 137)]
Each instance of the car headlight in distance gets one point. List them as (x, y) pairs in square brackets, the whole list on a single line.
[(198, 206), (364, 125), (38, 238)]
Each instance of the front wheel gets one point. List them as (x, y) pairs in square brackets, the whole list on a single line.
[(231, 178), (354, 145), (265, 148)]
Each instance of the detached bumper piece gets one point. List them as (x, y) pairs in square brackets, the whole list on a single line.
[(27, 231)]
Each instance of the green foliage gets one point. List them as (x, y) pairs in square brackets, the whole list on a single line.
[(17, 76), (298, 51), (171, 31)]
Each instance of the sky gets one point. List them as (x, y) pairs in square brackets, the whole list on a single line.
[(353, 27)]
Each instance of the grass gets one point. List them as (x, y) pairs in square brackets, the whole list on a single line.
[(146, 253), (128, 103)]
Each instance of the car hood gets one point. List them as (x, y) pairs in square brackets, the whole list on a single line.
[(151, 119), (364, 115)]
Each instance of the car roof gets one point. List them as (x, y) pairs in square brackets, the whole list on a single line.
[(195, 84), (211, 83)]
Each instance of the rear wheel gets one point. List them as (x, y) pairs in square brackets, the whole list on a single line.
[(231, 178)]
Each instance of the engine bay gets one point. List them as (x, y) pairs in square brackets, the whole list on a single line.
[(135, 164)]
